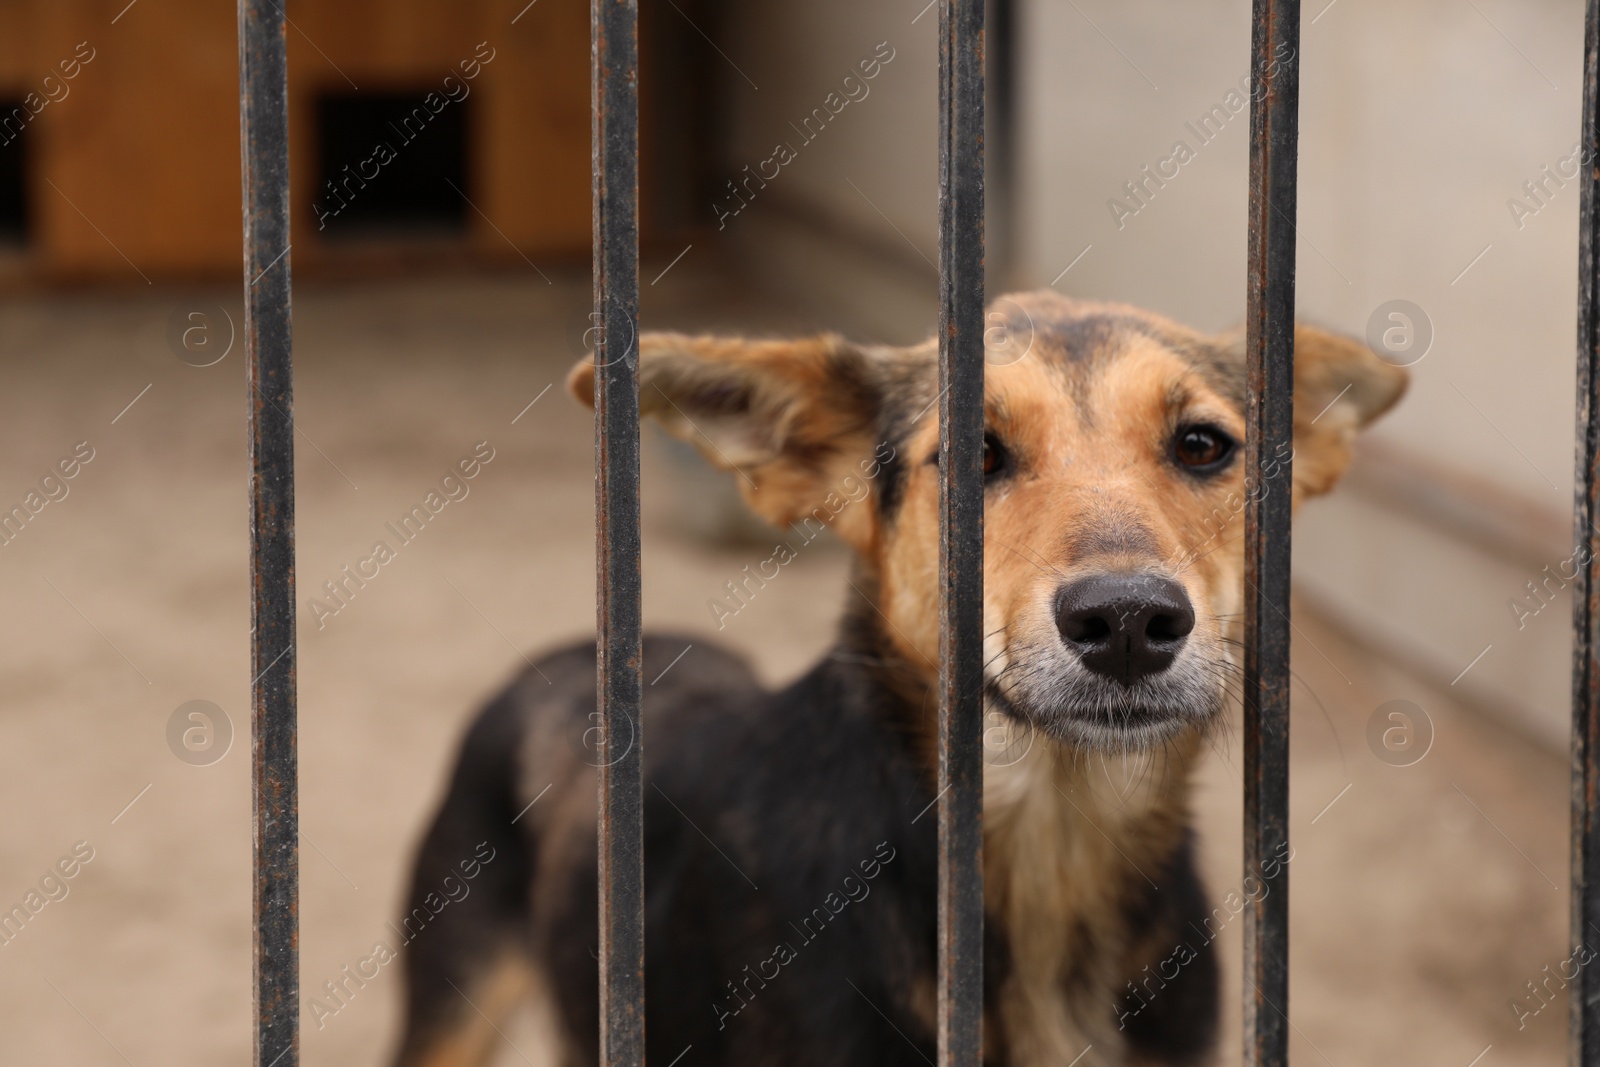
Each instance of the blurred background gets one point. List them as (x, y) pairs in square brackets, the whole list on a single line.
[(440, 174)]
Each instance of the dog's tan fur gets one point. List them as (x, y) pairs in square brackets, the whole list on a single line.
[(506, 985), (1089, 414)]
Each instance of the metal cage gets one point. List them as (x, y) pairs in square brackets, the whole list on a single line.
[(1270, 346)]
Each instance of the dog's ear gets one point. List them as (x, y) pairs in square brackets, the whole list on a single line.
[(794, 420), (1339, 388)]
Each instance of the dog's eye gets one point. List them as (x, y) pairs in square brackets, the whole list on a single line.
[(1202, 448), (996, 460), (995, 457)]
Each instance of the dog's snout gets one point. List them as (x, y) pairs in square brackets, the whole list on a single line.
[(1125, 626)]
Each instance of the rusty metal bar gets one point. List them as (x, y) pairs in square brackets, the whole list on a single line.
[(1584, 997), (615, 56), (961, 363), (264, 146), (1269, 439)]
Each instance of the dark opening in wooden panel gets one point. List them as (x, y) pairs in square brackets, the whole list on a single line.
[(14, 119), (392, 164)]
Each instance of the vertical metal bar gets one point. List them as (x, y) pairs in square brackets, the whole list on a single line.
[(1269, 438), (264, 146), (961, 364), (1584, 1023), (615, 55)]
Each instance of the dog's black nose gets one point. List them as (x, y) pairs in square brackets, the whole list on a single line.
[(1125, 626)]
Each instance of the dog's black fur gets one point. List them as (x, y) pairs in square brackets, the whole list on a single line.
[(792, 791)]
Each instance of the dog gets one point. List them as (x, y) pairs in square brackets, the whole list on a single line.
[(790, 855)]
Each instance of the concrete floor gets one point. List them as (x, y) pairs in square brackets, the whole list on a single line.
[(1424, 898)]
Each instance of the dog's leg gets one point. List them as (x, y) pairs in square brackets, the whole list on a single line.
[(466, 929), (459, 1021)]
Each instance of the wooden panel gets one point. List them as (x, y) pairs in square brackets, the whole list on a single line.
[(134, 172), (535, 162), (19, 42), (529, 141), (370, 46)]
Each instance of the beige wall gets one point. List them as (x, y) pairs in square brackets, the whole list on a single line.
[(1418, 120), (886, 143)]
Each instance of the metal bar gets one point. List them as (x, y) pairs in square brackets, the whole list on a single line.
[(961, 364), (1584, 998), (264, 146), (615, 55), (1269, 439)]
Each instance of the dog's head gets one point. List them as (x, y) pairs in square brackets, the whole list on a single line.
[(1115, 489)]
